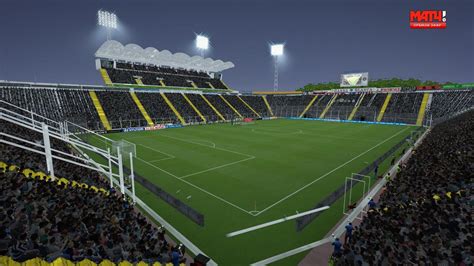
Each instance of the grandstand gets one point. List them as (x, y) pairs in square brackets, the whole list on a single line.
[(165, 164), (130, 64), (86, 109)]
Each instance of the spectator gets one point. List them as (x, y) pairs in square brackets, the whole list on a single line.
[(337, 248), (348, 234)]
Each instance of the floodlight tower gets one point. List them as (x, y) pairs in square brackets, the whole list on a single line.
[(202, 43), (108, 20), (276, 50)]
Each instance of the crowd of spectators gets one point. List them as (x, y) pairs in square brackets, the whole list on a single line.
[(120, 109), (76, 105), (239, 106), (157, 108), (203, 107), (424, 215), (220, 105), (152, 75), (30, 160), (184, 108), (257, 104), (403, 107), (55, 104), (446, 103), (46, 218), (288, 105)]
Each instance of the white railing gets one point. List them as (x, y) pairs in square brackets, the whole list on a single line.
[(61, 132)]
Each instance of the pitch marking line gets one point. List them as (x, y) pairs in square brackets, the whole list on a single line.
[(328, 173), (275, 133), (197, 187), (197, 143), (162, 152)]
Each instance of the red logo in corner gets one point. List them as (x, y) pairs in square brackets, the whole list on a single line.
[(428, 19)]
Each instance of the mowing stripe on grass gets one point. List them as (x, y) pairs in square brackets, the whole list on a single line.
[(218, 167), (199, 188), (328, 173), (197, 143), (162, 152)]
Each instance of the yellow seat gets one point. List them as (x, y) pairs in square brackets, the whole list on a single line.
[(28, 172), (106, 263), (61, 262), (40, 175), (11, 262), (13, 168), (156, 264), (125, 263), (3, 166), (3, 260), (34, 262), (86, 262)]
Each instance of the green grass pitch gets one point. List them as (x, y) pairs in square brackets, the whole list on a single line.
[(240, 176)]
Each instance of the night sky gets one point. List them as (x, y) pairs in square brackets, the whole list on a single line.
[(55, 41)]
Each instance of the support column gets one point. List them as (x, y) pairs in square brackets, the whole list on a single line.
[(47, 151)]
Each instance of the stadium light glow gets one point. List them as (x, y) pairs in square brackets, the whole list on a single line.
[(202, 42), (107, 19), (276, 49)]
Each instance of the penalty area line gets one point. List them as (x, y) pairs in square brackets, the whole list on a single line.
[(330, 172)]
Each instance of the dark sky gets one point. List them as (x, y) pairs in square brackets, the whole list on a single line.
[(55, 41)]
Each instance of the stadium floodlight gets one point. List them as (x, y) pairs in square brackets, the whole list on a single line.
[(108, 20), (276, 50), (202, 42)]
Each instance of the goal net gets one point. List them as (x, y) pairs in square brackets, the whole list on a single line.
[(356, 188), (126, 149)]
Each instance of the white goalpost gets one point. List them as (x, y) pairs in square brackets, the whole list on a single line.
[(125, 151), (349, 185)]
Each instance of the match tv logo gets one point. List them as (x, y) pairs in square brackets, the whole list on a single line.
[(428, 19)]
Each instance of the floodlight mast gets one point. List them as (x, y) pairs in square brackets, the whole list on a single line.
[(276, 50), (108, 20), (275, 76)]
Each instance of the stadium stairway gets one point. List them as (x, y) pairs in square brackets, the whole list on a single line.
[(248, 105), (267, 104), (212, 106), (210, 85), (194, 85), (356, 106), (384, 107), (230, 105), (170, 104), (225, 85), (328, 106), (422, 111), (100, 110), (105, 77), (309, 105), (194, 107), (141, 108), (162, 83), (139, 81)]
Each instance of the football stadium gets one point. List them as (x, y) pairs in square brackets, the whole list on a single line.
[(163, 155)]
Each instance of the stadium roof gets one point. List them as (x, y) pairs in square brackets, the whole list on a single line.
[(114, 50)]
